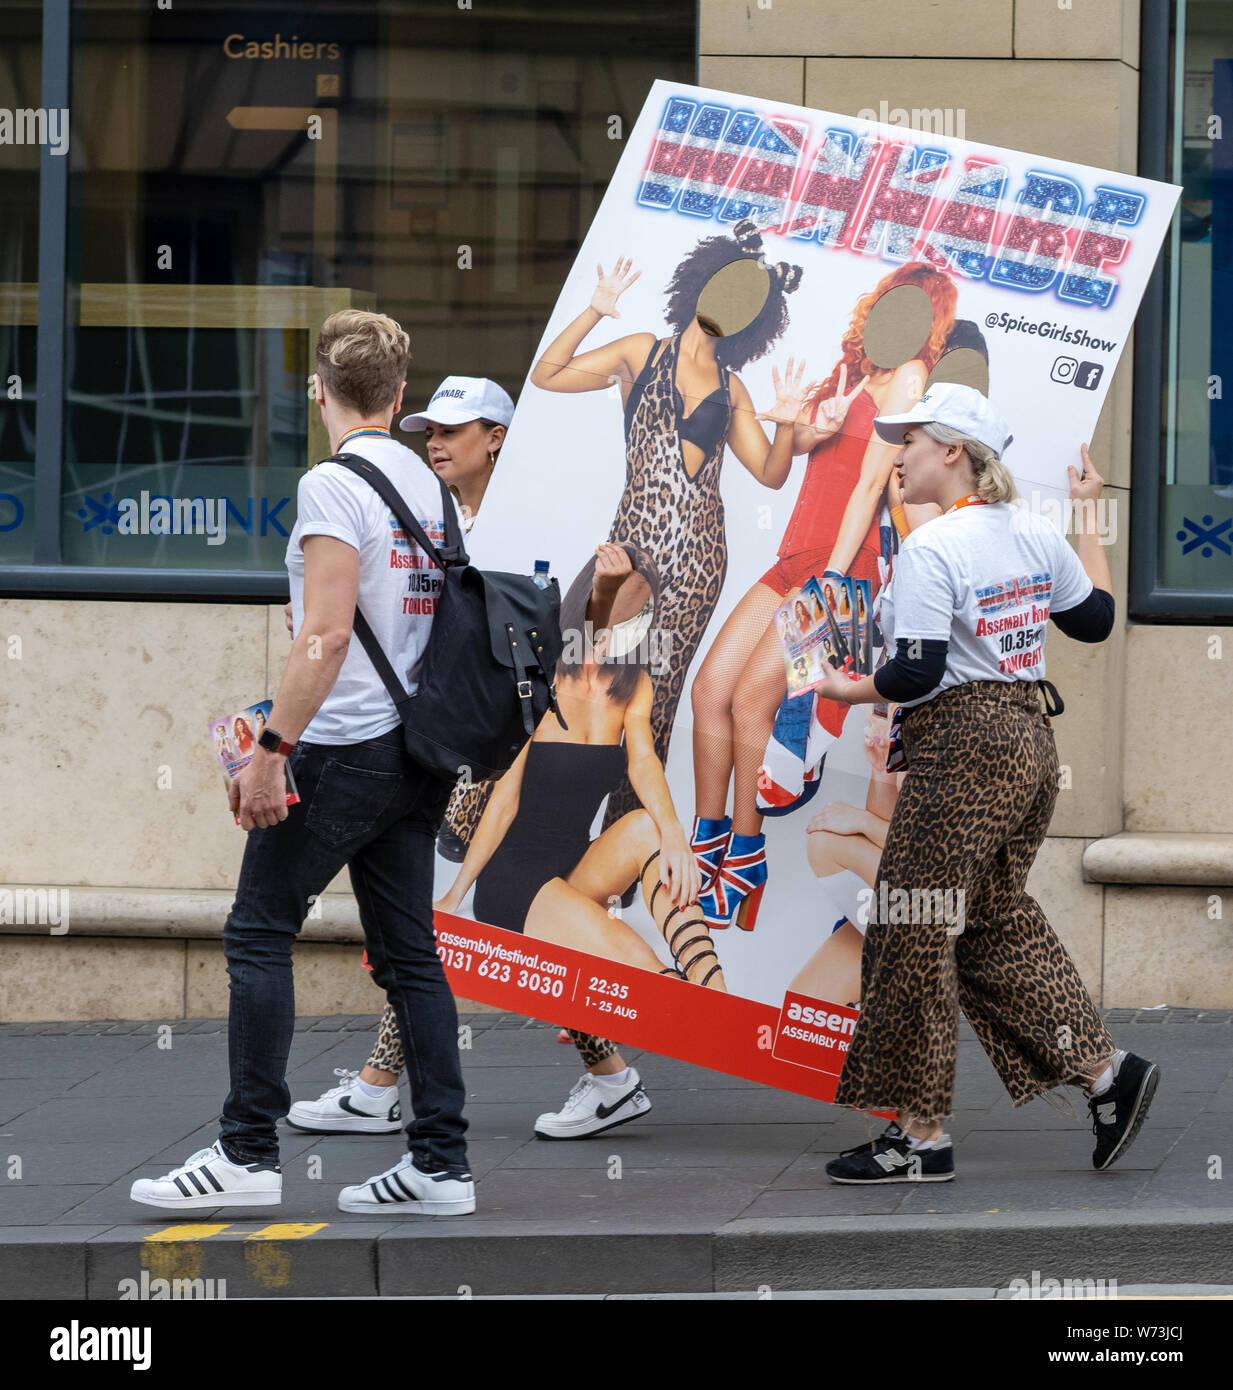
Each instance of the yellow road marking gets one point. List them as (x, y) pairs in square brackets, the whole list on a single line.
[(288, 1230), (178, 1233)]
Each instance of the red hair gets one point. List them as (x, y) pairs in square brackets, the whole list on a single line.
[(942, 294)]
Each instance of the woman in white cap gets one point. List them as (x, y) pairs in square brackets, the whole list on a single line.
[(950, 926), (464, 424)]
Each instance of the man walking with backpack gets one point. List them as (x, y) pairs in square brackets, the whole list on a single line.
[(364, 804)]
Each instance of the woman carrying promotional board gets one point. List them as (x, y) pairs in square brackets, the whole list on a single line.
[(967, 610)]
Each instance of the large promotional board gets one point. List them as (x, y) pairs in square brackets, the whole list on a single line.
[(759, 282)]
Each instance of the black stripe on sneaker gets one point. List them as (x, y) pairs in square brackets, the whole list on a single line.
[(218, 1187), (376, 1192), (196, 1182), (402, 1186), (183, 1186)]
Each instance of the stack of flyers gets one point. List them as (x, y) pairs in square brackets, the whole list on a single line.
[(235, 737), (826, 624)]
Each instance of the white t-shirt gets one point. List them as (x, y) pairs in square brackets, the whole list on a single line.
[(983, 579), (398, 583)]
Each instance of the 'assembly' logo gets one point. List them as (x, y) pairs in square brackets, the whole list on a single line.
[(1085, 375)]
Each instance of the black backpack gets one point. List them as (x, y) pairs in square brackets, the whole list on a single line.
[(488, 674)]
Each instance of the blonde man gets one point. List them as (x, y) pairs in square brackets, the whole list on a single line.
[(364, 804)]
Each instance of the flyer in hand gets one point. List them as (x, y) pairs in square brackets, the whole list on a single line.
[(234, 738)]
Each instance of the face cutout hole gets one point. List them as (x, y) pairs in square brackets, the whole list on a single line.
[(898, 326), (733, 297), (633, 612), (963, 366)]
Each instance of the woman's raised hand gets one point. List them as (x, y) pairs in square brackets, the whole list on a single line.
[(789, 395), (612, 286), (832, 413), (612, 567), (1084, 487)]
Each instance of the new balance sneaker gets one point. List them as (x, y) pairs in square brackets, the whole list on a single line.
[(346, 1109), (891, 1158), (1119, 1112), (406, 1188), (210, 1179), (592, 1107)]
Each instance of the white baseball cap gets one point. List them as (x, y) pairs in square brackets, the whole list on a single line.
[(963, 408), (462, 398)]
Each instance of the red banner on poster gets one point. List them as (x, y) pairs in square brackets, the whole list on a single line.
[(799, 1047)]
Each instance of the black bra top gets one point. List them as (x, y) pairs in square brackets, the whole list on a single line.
[(705, 425)]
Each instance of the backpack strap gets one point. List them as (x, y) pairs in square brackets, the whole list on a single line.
[(453, 553), (524, 685)]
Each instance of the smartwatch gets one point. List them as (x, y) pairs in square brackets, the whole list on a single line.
[(273, 743)]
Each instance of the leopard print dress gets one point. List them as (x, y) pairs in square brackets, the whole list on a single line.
[(679, 520), (974, 808)]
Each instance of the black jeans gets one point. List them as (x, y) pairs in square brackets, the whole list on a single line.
[(368, 806)]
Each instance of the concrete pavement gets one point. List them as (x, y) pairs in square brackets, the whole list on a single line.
[(720, 1188)]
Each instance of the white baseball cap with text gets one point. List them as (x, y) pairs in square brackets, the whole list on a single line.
[(963, 408), (462, 398)]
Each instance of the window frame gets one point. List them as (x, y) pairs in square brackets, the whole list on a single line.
[(1149, 600)]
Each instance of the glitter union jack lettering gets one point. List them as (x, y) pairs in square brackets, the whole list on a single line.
[(1100, 245), (961, 237), (901, 200), (695, 156), (1016, 593), (1034, 246), (833, 188), (764, 186)]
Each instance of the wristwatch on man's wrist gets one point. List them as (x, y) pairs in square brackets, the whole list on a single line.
[(273, 743)]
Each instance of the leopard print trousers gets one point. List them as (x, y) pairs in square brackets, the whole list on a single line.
[(387, 1054), (974, 808)]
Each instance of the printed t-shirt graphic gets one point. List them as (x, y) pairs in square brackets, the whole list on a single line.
[(398, 583), (984, 579)]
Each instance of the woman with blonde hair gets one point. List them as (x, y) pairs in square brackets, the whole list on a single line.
[(967, 610)]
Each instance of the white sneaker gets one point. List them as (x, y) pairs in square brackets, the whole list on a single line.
[(405, 1188), (210, 1179), (346, 1109), (593, 1107)]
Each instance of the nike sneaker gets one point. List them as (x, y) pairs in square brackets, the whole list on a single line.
[(210, 1179), (345, 1109), (406, 1188), (592, 1107)]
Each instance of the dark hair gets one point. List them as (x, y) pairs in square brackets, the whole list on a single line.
[(694, 274), (626, 672), (965, 334)]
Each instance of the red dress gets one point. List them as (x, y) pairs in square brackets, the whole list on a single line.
[(831, 476)]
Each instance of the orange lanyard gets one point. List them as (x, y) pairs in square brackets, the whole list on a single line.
[(971, 500)]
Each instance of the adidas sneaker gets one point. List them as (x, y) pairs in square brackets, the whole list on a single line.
[(406, 1188), (345, 1109), (592, 1107), (210, 1179)]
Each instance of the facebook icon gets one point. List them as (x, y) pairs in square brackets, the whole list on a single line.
[(1088, 376)]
